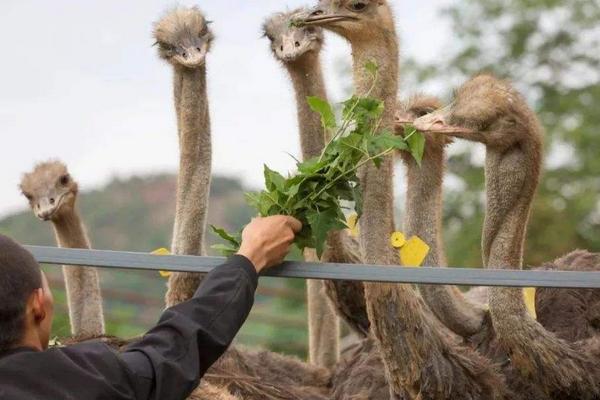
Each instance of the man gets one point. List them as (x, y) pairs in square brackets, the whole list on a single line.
[(167, 363)]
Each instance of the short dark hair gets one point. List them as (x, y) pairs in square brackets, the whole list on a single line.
[(20, 275)]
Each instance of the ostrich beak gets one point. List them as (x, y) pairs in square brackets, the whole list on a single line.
[(46, 208), (321, 17), (437, 123), (192, 56)]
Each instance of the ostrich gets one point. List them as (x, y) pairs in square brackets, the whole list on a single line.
[(183, 40), (298, 50), (490, 111), (52, 195), (421, 358)]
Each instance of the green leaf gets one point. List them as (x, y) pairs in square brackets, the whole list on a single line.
[(321, 224), (311, 166), (226, 236), (323, 108), (385, 141), (371, 67), (416, 144), (273, 180)]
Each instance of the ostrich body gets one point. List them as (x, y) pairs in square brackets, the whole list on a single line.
[(183, 40), (298, 49), (52, 195), (490, 111), (422, 360), (423, 214)]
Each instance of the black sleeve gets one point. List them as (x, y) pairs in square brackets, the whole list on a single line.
[(168, 362)]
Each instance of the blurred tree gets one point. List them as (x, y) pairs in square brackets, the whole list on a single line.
[(550, 50)]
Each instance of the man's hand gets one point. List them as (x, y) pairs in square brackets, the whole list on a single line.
[(266, 241)]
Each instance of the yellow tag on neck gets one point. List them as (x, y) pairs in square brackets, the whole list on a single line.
[(414, 252), (397, 240), (352, 222), (162, 252), (529, 297)]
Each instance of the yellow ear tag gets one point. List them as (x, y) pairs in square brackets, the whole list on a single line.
[(397, 240), (162, 252), (352, 222), (529, 297), (414, 252)]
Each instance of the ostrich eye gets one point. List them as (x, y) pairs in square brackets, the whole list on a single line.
[(424, 111), (358, 6), (64, 180), (166, 46)]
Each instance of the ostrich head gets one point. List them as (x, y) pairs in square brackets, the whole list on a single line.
[(49, 189), (485, 109), (183, 37), (415, 107), (290, 42), (353, 19)]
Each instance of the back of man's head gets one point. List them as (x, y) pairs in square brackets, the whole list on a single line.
[(20, 275)]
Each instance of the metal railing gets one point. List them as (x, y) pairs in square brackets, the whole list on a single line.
[(354, 272)]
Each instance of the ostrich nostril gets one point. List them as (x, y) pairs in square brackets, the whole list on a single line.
[(198, 48), (316, 12), (281, 48), (297, 44), (51, 201), (38, 206)]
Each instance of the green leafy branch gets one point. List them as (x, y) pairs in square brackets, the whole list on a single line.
[(314, 194)]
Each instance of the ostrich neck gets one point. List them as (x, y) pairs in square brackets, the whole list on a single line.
[(307, 78), (84, 298), (393, 310), (70, 231), (377, 221), (323, 327), (423, 218), (509, 194), (193, 182)]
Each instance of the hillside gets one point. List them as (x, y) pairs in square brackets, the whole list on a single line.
[(137, 215)]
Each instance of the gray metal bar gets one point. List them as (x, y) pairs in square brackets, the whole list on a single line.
[(368, 273)]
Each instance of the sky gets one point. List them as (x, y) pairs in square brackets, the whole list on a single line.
[(81, 82)]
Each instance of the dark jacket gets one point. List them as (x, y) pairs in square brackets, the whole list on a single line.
[(167, 363)]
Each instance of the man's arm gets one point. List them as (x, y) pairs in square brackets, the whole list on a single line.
[(168, 362), (191, 336)]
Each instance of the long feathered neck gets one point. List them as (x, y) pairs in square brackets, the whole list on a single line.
[(82, 284), (554, 365), (387, 305), (323, 328), (70, 231), (193, 182), (307, 77), (377, 221), (423, 218)]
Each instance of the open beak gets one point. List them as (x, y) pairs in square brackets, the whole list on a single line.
[(437, 123)]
